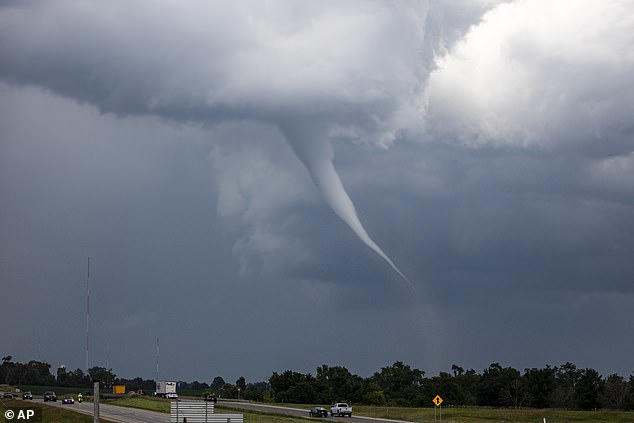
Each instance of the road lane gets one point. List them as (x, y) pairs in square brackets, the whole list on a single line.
[(115, 413), (120, 414), (301, 412)]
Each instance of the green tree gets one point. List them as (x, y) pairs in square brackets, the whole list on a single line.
[(77, 378), (457, 370), (400, 383), (588, 389), (228, 391), (104, 376), (293, 387), (37, 373), (337, 384), (629, 398), (540, 384), (566, 377), (61, 375), (256, 391), (468, 385), (501, 387), (218, 383), (374, 397), (615, 392)]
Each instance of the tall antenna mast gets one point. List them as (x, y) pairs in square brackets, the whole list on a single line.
[(87, 313), (39, 346), (108, 353), (157, 358), (108, 360)]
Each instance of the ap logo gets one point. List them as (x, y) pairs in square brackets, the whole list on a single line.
[(20, 415)]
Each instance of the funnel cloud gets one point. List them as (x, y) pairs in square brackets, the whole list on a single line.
[(320, 78), (317, 156)]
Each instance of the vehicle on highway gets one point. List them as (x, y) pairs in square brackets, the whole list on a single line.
[(318, 412), (7, 395), (171, 395), (50, 396), (164, 387), (341, 409), (211, 398), (27, 396), (68, 400)]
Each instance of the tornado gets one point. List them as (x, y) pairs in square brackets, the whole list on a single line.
[(315, 151)]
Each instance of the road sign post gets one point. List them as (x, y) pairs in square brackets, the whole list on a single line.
[(95, 396), (438, 404)]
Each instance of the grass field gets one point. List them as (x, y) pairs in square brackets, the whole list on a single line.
[(486, 414), (420, 415), (163, 406), (49, 414), (146, 403)]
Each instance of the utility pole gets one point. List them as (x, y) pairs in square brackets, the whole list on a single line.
[(39, 346), (108, 385), (87, 315), (157, 359)]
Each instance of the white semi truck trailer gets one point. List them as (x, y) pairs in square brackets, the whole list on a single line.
[(163, 388)]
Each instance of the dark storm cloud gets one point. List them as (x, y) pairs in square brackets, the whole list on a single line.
[(490, 154), (351, 91)]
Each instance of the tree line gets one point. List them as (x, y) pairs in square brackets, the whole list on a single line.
[(564, 386), (38, 373)]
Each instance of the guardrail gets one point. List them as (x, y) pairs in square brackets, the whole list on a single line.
[(199, 412)]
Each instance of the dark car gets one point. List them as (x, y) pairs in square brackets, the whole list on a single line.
[(7, 395), (68, 400), (50, 396), (27, 396), (211, 398), (318, 412)]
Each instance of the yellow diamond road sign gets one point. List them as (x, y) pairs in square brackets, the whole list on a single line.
[(437, 400)]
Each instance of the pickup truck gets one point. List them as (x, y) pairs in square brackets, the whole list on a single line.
[(340, 409)]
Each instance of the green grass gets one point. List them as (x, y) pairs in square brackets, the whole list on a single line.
[(163, 406), (146, 403), (420, 415), (49, 414), (486, 414)]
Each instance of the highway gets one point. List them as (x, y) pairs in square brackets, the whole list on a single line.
[(301, 412), (120, 414), (115, 413)]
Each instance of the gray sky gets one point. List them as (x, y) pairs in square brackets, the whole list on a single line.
[(488, 148)]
